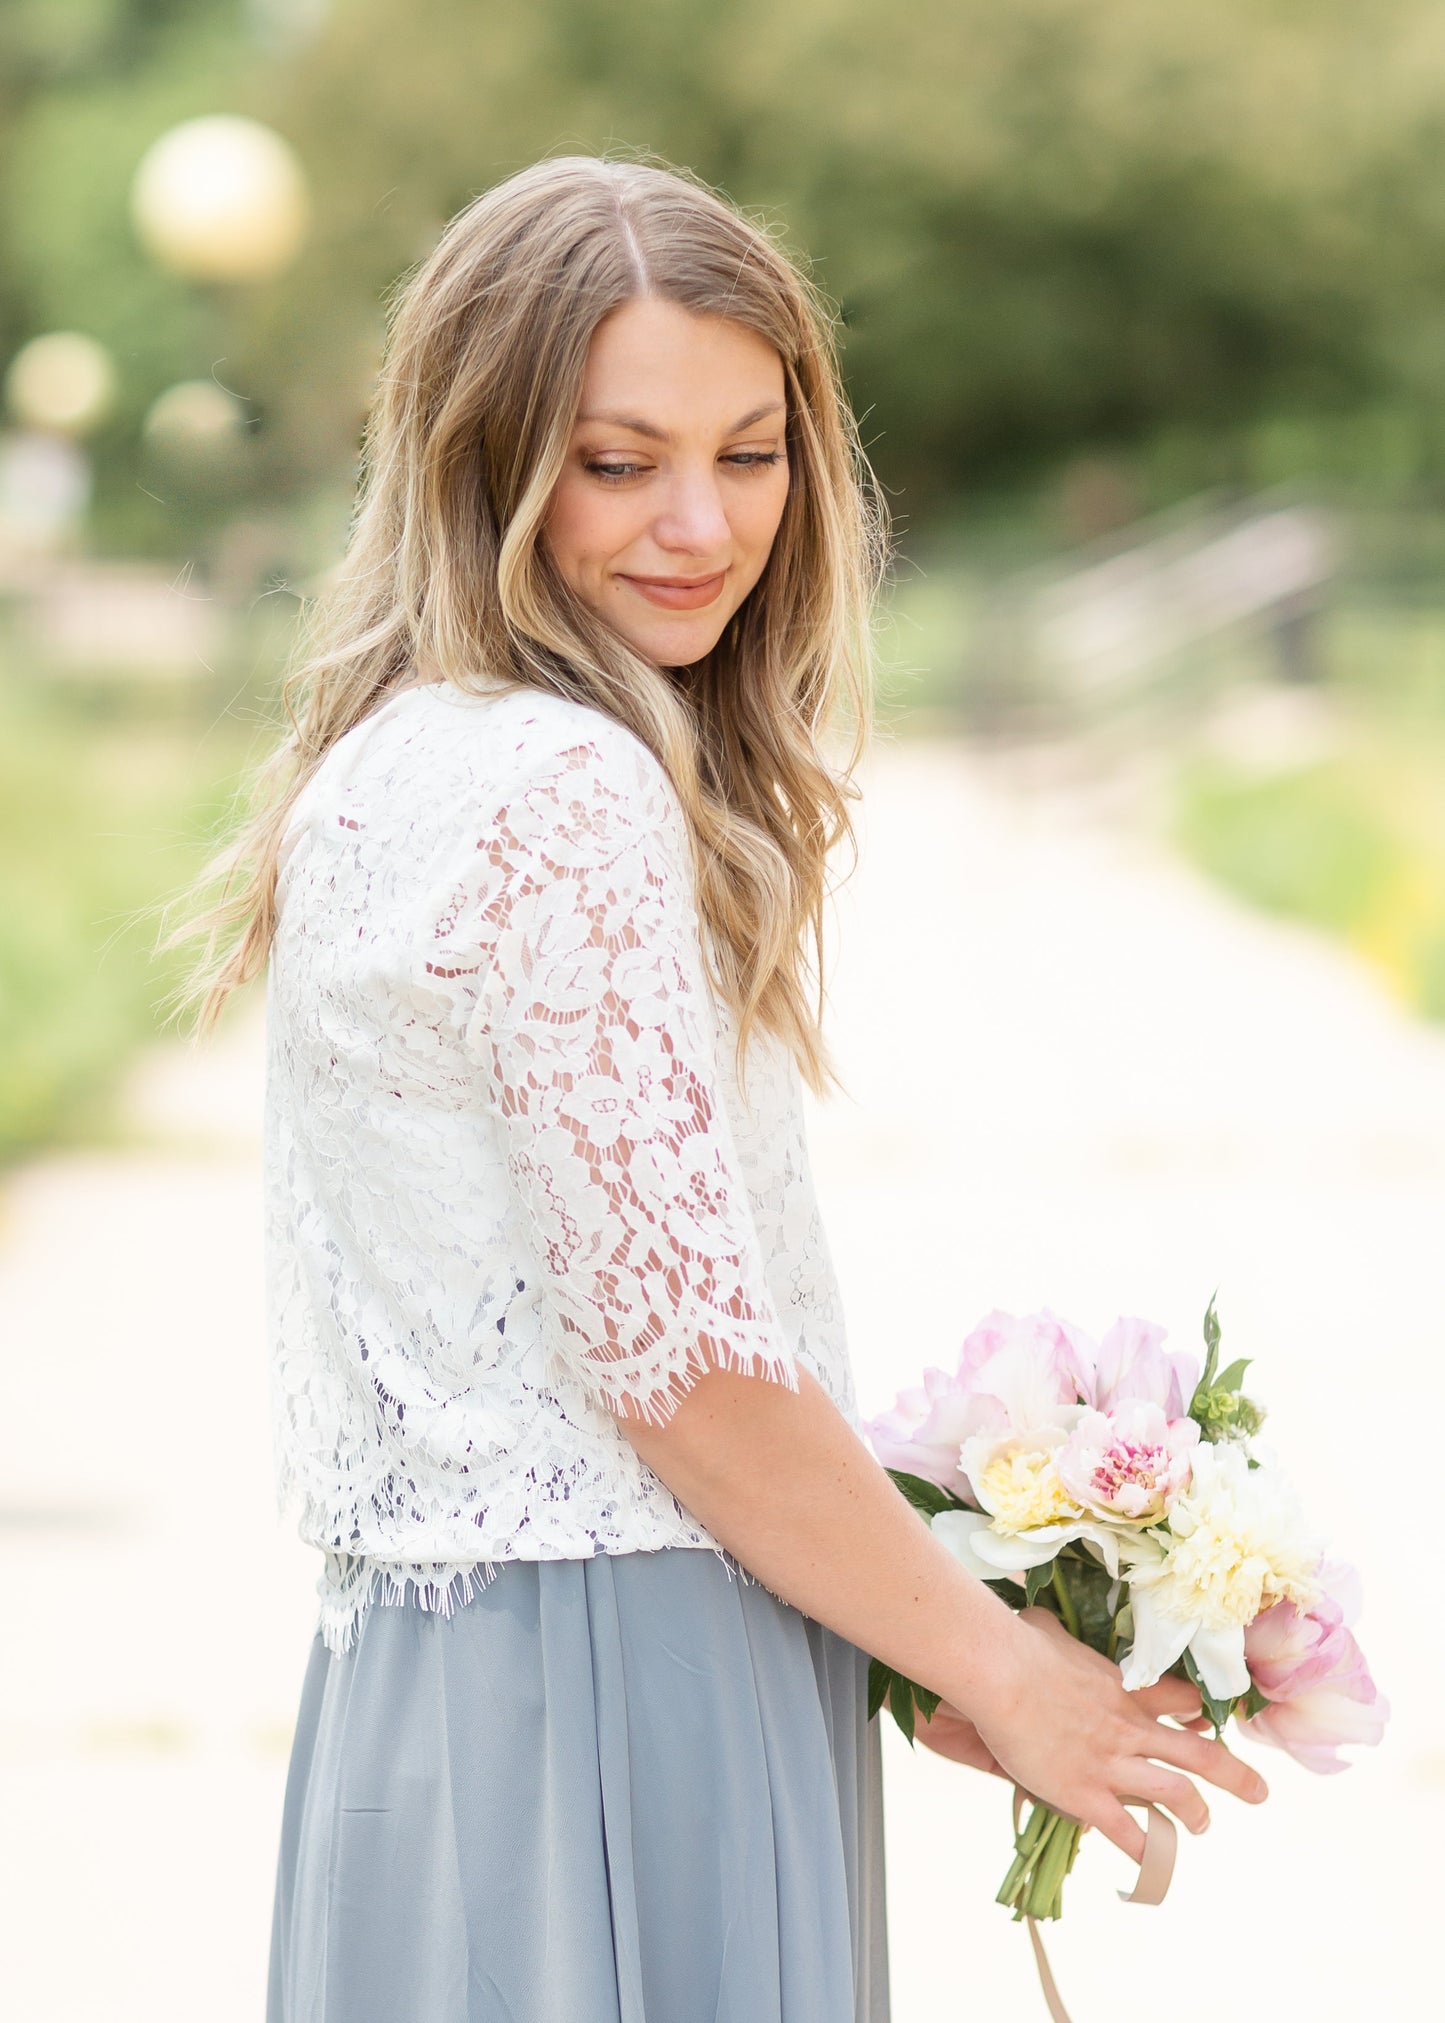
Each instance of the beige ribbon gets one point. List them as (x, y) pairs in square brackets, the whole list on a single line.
[(1156, 1870)]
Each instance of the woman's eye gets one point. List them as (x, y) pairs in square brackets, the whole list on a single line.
[(616, 473)]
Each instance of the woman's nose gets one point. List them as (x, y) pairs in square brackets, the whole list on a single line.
[(692, 521)]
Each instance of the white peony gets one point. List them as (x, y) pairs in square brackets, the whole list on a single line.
[(1236, 1545)]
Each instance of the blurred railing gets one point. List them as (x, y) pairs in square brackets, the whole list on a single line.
[(1092, 637)]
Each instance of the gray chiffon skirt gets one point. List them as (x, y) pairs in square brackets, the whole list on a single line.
[(631, 1789)]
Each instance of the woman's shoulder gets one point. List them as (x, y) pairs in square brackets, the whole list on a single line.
[(570, 809), (525, 773), (521, 742), (552, 728)]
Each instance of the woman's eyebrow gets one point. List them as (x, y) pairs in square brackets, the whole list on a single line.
[(638, 427)]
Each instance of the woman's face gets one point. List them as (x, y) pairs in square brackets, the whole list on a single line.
[(676, 477)]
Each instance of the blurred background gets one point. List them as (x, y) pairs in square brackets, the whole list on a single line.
[(1143, 312)]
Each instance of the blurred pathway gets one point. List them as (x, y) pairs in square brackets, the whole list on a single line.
[(153, 1660), (1083, 1078), (1077, 1077)]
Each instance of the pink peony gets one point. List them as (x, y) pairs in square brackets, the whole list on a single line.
[(924, 1431), (1014, 1377), (1133, 1364), (1314, 1675), (1128, 1464), (1020, 1372)]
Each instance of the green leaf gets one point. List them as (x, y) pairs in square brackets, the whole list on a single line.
[(900, 1700), (1036, 1580), (928, 1498), (879, 1678), (1254, 1702), (1211, 1326), (1218, 1711), (1233, 1377), (1211, 1360), (904, 1697), (1090, 1586)]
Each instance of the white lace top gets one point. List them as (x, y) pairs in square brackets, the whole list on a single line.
[(510, 1177)]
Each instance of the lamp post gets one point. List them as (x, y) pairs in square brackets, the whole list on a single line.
[(58, 387), (223, 202)]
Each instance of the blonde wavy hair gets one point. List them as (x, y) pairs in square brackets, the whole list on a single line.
[(445, 572)]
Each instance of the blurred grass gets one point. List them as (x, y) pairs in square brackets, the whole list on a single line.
[(107, 805), (1353, 842)]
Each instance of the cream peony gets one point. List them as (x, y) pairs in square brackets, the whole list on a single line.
[(1029, 1515), (1021, 1489), (1235, 1546)]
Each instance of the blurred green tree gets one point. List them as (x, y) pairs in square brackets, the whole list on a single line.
[(1051, 224)]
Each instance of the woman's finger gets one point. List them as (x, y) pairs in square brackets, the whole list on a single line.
[(1109, 1816), (1167, 1788), (1174, 1698), (1203, 1757)]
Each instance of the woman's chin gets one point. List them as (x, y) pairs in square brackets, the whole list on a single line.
[(680, 641)]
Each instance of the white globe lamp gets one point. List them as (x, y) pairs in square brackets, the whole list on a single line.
[(221, 198), (62, 383), (195, 422)]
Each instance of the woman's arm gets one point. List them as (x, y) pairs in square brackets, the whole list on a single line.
[(573, 933), (782, 1481)]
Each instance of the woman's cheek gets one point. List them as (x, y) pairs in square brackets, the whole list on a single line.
[(767, 516), (571, 531), (761, 532)]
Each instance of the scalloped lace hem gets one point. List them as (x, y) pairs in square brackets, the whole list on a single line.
[(350, 1584)]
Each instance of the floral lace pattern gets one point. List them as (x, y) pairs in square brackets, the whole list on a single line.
[(512, 1184)]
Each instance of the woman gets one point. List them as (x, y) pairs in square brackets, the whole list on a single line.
[(551, 1306)]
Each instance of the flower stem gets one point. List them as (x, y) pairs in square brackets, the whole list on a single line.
[(1045, 1852), (1067, 1612)]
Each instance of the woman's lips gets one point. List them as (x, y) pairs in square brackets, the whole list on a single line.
[(676, 595)]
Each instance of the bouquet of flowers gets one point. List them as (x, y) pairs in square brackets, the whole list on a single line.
[(1118, 1485)]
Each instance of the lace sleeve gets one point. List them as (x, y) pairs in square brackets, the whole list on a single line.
[(596, 1031)]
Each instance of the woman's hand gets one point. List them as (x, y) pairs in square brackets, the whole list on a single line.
[(950, 1733), (1064, 1728), (782, 1480)]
